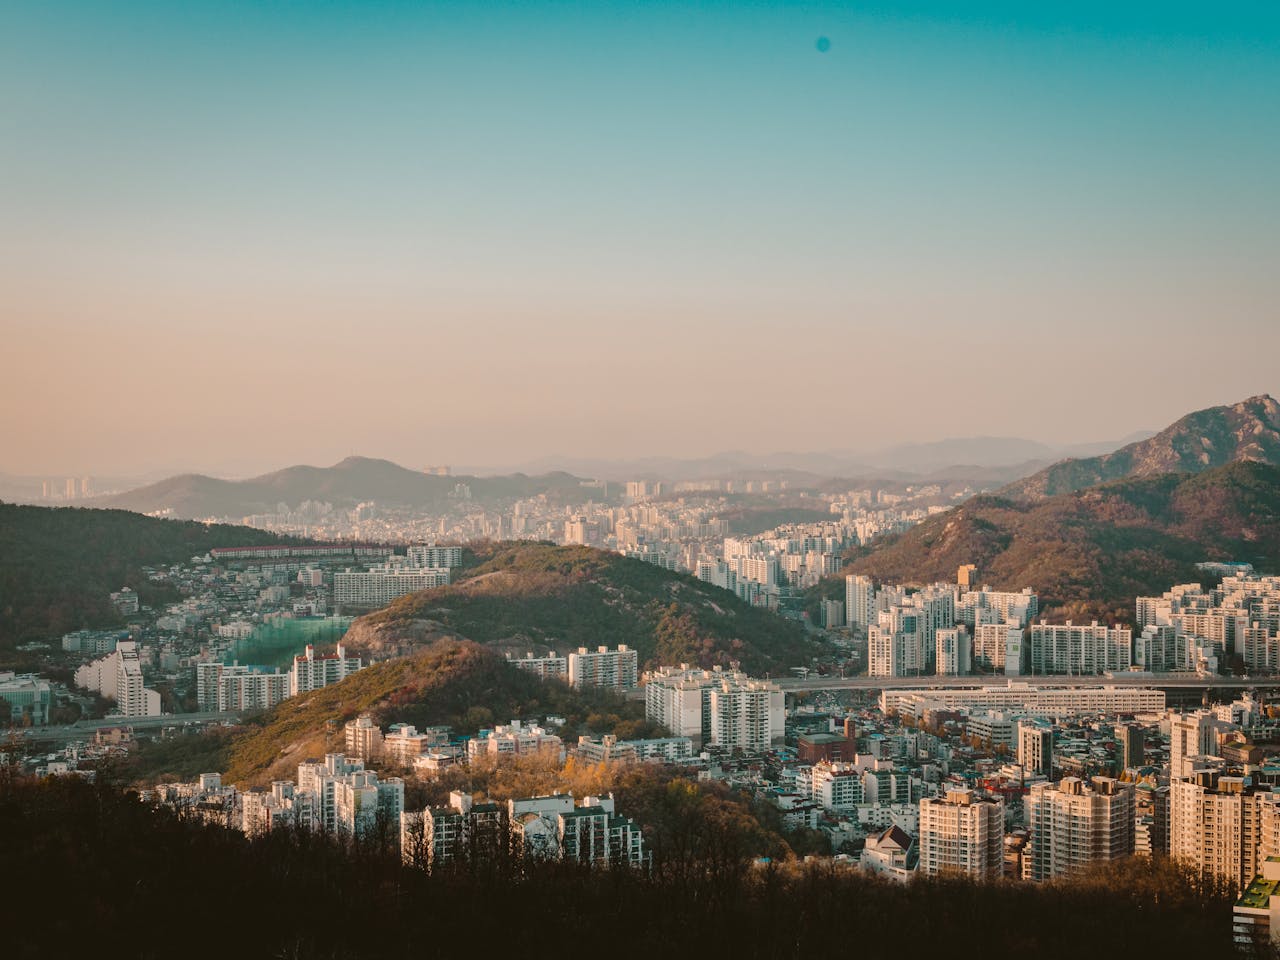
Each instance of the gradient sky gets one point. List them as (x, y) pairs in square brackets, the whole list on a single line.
[(237, 235)]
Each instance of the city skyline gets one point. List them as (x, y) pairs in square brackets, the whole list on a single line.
[(258, 236)]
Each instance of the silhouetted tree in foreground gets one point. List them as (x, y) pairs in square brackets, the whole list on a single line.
[(90, 870)]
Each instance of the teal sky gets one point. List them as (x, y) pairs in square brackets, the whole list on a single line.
[(240, 235)]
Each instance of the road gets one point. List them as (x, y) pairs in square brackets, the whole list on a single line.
[(1164, 681), (85, 729)]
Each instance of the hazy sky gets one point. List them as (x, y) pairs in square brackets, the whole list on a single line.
[(241, 235)]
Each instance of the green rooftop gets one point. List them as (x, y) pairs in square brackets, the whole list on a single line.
[(1258, 894)]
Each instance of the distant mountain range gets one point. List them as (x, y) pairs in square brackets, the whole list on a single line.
[(909, 459), (1245, 431), (354, 480), (976, 462)]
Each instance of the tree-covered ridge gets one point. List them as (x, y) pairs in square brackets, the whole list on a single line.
[(1091, 552), (527, 595), (58, 565), (454, 683), (154, 880), (1248, 431)]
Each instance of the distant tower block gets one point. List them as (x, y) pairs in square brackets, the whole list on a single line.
[(71, 488), (967, 577)]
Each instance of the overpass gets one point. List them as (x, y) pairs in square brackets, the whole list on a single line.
[(85, 729), (1164, 681)]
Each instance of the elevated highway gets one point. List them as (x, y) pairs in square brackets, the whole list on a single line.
[(85, 729), (1163, 681)]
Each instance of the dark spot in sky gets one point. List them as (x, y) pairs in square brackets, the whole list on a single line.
[(823, 44)]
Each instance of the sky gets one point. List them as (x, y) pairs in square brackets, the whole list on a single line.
[(240, 235)]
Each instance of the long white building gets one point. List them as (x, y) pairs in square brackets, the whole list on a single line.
[(1041, 700), (381, 584), (617, 669), (1079, 649)]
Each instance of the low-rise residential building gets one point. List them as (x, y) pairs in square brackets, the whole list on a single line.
[(609, 749), (1255, 917), (515, 739), (28, 698), (891, 853)]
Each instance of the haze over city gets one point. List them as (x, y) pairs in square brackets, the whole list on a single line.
[(640, 479), (241, 237)]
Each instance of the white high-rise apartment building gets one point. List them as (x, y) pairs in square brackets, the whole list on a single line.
[(716, 708), (617, 669), (1078, 649), (1159, 649), (998, 646), (1215, 826), (1035, 747), (1017, 608), (742, 715), (1191, 736), (954, 656), (937, 611), (962, 832), (895, 643), (118, 677), (859, 600), (1074, 825)]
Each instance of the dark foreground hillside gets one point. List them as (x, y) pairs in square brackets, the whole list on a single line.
[(92, 872), (58, 565)]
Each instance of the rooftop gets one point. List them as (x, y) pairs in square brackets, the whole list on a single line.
[(1258, 894)]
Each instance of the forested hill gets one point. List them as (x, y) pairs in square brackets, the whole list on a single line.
[(58, 565), (457, 684), (1093, 551), (537, 596)]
